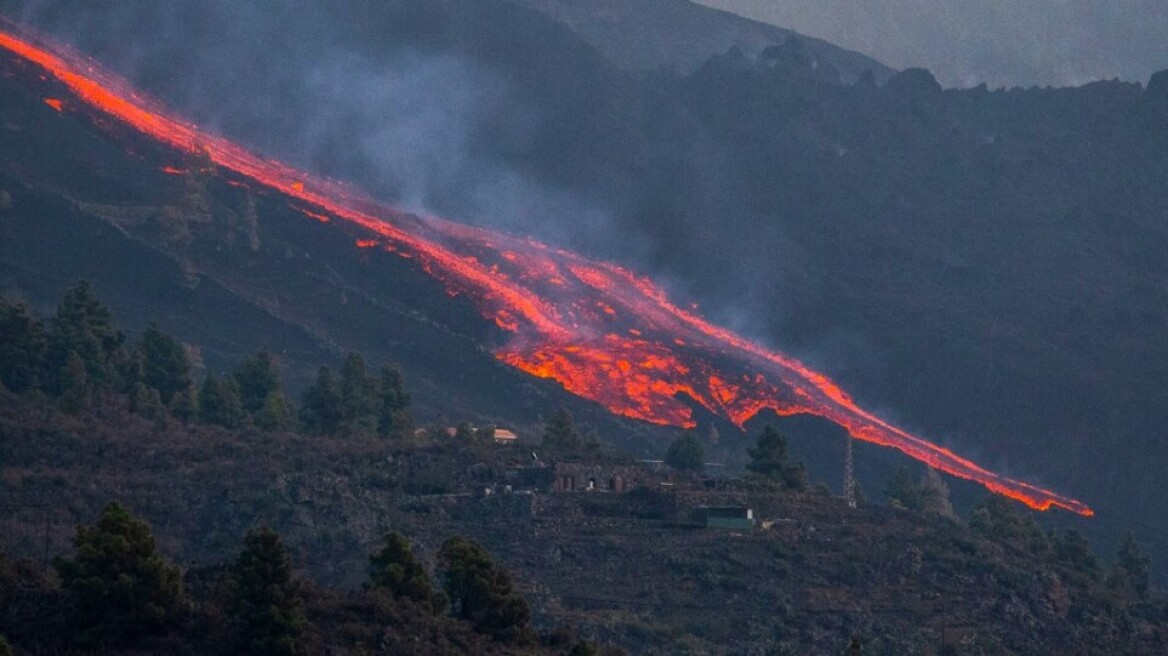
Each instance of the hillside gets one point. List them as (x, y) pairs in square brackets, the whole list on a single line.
[(234, 270), (633, 568), (682, 35), (982, 266)]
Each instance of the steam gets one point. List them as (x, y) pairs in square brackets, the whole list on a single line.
[(415, 127)]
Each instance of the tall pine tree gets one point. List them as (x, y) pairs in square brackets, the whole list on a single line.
[(219, 403), (320, 408), (268, 603), (164, 364), (560, 434), (359, 399), (769, 461), (396, 571), (394, 419), (480, 591), (84, 326), (22, 346), (120, 588), (257, 378)]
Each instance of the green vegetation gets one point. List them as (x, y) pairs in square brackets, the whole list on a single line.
[(686, 453), (360, 401), (320, 410), (394, 419), (267, 603), (258, 380), (929, 496), (560, 434), (770, 463), (395, 571), (118, 588), (85, 352), (123, 598), (219, 403), (22, 351), (1131, 570), (81, 359), (821, 575), (480, 591), (164, 365)]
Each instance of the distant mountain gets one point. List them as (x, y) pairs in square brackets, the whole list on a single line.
[(1001, 44), (679, 34)]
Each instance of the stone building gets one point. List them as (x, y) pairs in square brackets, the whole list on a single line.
[(617, 479)]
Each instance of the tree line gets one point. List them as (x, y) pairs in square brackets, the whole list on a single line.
[(79, 357), (118, 592)]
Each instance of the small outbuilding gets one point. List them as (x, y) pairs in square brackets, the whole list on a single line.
[(729, 517), (504, 436)]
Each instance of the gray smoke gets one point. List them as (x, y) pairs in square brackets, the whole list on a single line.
[(299, 82)]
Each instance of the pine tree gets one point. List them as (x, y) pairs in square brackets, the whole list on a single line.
[(219, 403), (560, 433), (902, 490), (164, 362), (769, 461), (1002, 519), (84, 326), (394, 418), (320, 409), (120, 588), (145, 401), (73, 384), (768, 457), (396, 571), (480, 591), (22, 346), (267, 608), (275, 415), (185, 406), (1132, 567), (258, 379), (1073, 550), (686, 453), (360, 404)]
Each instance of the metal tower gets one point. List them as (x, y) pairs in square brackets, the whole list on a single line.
[(849, 475)]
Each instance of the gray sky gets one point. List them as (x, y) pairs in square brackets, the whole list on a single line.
[(1002, 43)]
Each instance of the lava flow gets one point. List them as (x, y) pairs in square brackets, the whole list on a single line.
[(603, 332)]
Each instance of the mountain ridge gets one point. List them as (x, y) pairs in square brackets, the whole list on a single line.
[(647, 35)]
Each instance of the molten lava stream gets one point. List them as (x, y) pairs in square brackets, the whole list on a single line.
[(601, 331)]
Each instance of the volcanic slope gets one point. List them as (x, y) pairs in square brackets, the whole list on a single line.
[(603, 332), (235, 269)]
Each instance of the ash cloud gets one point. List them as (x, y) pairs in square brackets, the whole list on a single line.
[(318, 85)]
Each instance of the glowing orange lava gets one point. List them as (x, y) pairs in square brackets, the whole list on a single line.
[(603, 332), (55, 103)]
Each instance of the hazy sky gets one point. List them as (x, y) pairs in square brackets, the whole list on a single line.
[(999, 42)]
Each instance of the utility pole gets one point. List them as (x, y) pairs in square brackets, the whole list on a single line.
[(849, 475), (46, 553)]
